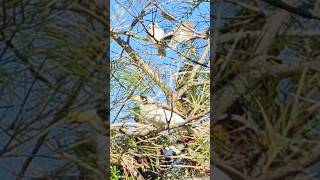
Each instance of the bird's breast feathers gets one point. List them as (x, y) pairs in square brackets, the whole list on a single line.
[(160, 117), (156, 34)]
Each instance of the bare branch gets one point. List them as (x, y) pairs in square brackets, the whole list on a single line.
[(143, 65), (294, 166), (295, 10)]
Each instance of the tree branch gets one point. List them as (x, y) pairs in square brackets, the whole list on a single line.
[(295, 166), (194, 71), (252, 34), (138, 62), (144, 130), (295, 10), (240, 84)]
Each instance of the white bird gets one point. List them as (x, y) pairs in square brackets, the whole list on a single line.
[(181, 34), (157, 116), (155, 35)]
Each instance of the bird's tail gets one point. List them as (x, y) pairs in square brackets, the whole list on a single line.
[(161, 50)]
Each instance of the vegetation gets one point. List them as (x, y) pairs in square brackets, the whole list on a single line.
[(266, 89), (54, 90), (52, 64), (180, 80)]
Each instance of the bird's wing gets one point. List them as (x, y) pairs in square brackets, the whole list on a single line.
[(161, 117), (156, 33), (168, 36), (173, 117)]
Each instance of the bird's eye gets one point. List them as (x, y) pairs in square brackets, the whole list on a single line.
[(144, 99)]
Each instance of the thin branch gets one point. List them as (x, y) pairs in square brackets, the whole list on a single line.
[(238, 86), (194, 71), (138, 62), (75, 160), (144, 130), (295, 10), (252, 34), (244, 80), (294, 166), (223, 165), (248, 6), (28, 160)]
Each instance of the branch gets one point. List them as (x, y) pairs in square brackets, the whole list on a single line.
[(252, 34), (138, 62), (28, 160), (227, 169), (238, 86), (269, 32), (144, 130), (296, 10), (141, 129), (61, 113), (294, 167), (241, 83), (194, 71), (164, 12), (248, 6), (76, 160), (80, 9)]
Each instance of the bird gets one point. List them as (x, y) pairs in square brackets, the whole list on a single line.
[(183, 106), (182, 33), (155, 35), (153, 114)]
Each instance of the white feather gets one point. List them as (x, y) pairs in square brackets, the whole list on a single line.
[(181, 34), (156, 32), (160, 117), (155, 35)]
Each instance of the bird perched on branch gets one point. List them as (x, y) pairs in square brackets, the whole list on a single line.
[(182, 33), (155, 35), (153, 114)]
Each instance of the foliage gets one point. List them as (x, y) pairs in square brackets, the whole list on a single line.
[(265, 91), (176, 153), (52, 68)]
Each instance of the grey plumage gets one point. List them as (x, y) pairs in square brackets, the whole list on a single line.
[(184, 32), (155, 35), (181, 34)]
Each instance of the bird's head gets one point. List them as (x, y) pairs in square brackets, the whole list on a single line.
[(142, 99)]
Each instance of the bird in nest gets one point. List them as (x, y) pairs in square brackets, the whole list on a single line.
[(149, 112), (183, 106)]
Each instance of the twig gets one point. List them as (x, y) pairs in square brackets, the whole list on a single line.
[(143, 65), (144, 130), (185, 166), (294, 166), (295, 10)]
